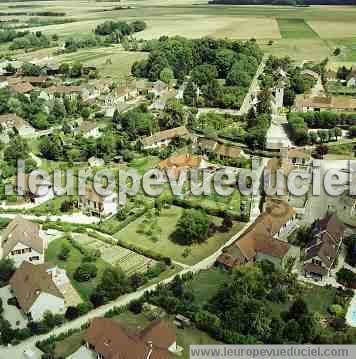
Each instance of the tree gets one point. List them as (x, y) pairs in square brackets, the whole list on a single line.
[(136, 306), (17, 150), (30, 69), (85, 272), (292, 331), (288, 97), (192, 227), (346, 277), (7, 269), (213, 93), (224, 61), (166, 75), (298, 309), (113, 283), (71, 313), (190, 94), (227, 223), (337, 51), (203, 74), (338, 133), (174, 114), (76, 70), (64, 253), (137, 280), (321, 151), (264, 101), (51, 147)]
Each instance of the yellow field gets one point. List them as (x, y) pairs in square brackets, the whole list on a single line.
[(333, 30), (203, 25), (333, 26)]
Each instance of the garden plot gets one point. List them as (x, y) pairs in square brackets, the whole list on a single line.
[(129, 261)]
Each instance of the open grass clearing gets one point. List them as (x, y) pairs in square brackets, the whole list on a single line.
[(153, 233), (206, 284), (299, 49)]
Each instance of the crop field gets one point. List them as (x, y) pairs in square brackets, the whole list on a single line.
[(129, 261), (295, 29), (303, 33)]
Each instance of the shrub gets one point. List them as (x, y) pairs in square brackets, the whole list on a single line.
[(337, 310), (72, 313), (64, 253), (84, 308), (85, 272), (136, 306)]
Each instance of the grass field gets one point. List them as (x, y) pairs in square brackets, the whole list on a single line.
[(295, 29), (153, 233), (206, 284), (303, 33)]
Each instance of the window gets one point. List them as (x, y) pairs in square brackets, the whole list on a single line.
[(35, 258)]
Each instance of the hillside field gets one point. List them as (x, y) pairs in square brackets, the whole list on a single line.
[(304, 33)]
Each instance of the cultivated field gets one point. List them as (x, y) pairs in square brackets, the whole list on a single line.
[(304, 33), (129, 261)]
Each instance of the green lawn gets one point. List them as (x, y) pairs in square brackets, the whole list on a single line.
[(216, 202), (85, 289), (339, 89), (207, 283), (69, 345), (295, 29), (143, 164), (153, 233), (318, 300), (341, 151)]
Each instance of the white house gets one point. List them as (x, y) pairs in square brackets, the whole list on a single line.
[(36, 291), (23, 241), (96, 204), (11, 121)]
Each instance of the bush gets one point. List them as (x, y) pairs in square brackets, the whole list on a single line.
[(337, 310), (97, 299), (85, 272), (64, 253), (72, 313), (84, 308), (136, 306), (155, 271), (137, 280)]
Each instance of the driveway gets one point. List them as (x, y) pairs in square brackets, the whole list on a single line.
[(11, 313)]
